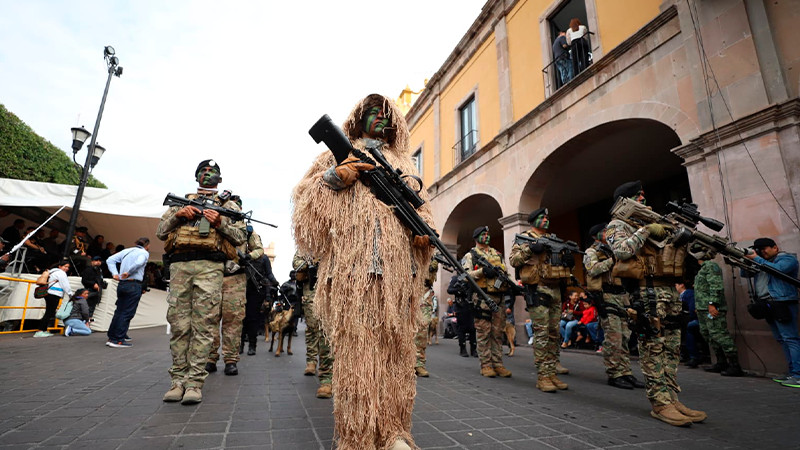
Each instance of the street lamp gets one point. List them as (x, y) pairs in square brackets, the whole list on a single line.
[(95, 151)]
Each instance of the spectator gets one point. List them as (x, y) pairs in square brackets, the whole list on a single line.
[(6, 257), (58, 288), (36, 257), (692, 331), (92, 280), (104, 255), (449, 320), (96, 247), (782, 300), (571, 311), (129, 290), (529, 330), (590, 324), (77, 249), (562, 60), (579, 46), (13, 233), (78, 320), (52, 247)]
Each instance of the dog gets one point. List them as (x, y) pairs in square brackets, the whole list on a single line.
[(281, 323), (511, 334), (433, 326)]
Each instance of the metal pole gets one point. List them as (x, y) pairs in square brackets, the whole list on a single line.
[(73, 218)]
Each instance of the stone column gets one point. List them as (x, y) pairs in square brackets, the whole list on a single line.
[(503, 74), (514, 224)]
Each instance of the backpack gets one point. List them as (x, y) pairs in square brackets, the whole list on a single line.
[(64, 310)]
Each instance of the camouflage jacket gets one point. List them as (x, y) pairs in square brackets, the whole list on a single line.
[(494, 258), (708, 287), (598, 266), (233, 232)]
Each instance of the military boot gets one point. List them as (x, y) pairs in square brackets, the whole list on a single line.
[(421, 372), (502, 371), (311, 369), (211, 367), (733, 369), (669, 414), (487, 371), (544, 384), (325, 391), (251, 348), (473, 350), (241, 347), (695, 415), (718, 366), (560, 385), (561, 370), (231, 369), (174, 394), (463, 351), (191, 396)]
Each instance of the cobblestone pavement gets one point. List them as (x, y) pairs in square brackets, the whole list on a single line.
[(76, 393)]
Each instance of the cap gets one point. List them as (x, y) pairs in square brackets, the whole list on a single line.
[(478, 231), (763, 242), (82, 229), (628, 189), (532, 216), (97, 258), (207, 163), (596, 229)]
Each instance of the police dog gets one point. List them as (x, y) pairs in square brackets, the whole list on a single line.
[(280, 323)]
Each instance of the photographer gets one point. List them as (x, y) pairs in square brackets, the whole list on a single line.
[(92, 279)]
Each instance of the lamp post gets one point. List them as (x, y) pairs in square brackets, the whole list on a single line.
[(95, 151)]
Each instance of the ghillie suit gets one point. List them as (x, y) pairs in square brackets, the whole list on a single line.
[(370, 282)]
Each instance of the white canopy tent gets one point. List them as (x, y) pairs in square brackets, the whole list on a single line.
[(121, 217)]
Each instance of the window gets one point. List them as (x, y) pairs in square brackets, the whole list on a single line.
[(469, 129), (571, 54), (417, 157)]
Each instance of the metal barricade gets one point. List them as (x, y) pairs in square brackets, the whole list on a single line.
[(8, 290)]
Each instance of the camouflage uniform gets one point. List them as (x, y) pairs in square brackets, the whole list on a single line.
[(489, 326), (421, 338), (709, 290), (195, 294), (659, 354), (537, 272), (598, 263), (232, 306), (317, 345)]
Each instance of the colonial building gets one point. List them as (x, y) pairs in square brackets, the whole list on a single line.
[(698, 99)]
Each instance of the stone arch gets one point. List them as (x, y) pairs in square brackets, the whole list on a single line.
[(473, 211)]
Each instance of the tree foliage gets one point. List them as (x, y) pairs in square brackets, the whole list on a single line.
[(24, 155)]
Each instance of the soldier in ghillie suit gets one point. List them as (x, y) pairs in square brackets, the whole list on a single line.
[(543, 281), (197, 245), (234, 299), (613, 303), (489, 325), (426, 309), (317, 345), (649, 268), (709, 301), (371, 273)]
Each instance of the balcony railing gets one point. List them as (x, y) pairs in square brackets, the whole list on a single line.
[(465, 147), (568, 65)]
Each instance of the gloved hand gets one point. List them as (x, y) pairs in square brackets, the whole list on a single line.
[(655, 322), (490, 272), (421, 241), (657, 230), (537, 247), (350, 169), (632, 314)]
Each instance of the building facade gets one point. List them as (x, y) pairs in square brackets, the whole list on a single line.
[(698, 99)]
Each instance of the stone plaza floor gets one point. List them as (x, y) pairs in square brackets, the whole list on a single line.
[(76, 393)]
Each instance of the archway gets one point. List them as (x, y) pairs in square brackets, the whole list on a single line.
[(473, 212)]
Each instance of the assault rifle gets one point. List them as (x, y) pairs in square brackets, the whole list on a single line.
[(388, 186), (311, 270), (501, 277), (444, 262), (259, 279), (681, 221), (202, 203), (561, 251)]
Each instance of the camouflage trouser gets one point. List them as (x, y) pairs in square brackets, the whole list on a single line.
[(715, 332), (421, 338), (659, 355), (193, 315), (616, 356), (317, 345), (546, 333), (489, 334), (234, 288)]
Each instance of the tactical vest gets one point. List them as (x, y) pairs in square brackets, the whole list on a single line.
[(652, 261), (595, 284), (187, 238), (537, 269), (496, 259)]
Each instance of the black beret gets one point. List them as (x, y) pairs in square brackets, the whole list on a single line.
[(536, 214), (763, 242), (207, 163), (478, 231), (596, 229), (628, 189)]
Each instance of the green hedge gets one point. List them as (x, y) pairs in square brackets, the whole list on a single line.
[(24, 155)]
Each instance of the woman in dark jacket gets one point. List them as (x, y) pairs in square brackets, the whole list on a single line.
[(76, 322)]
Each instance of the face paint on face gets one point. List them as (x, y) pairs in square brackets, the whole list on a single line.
[(208, 177), (375, 122), (542, 222), (640, 198), (484, 238)]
